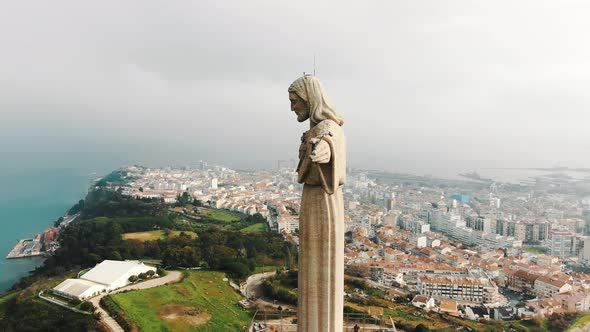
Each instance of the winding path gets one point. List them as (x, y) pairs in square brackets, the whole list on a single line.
[(108, 321), (252, 290)]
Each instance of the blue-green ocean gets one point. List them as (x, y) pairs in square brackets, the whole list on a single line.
[(29, 203)]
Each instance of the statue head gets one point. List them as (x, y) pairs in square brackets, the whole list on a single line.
[(309, 101)]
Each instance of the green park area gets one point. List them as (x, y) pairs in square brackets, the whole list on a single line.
[(267, 268), (227, 220), (534, 250), (255, 228), (201, 302), (219, 215), (155, 235)]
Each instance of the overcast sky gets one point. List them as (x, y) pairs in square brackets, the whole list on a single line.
[(427, 87)]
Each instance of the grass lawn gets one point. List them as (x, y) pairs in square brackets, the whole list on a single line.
[(201, 302), (255, 228), (219, 215), (532, 250), (266, 268), (4, 302), (395, 313), (4, 299), (154, 235), (580, 322)]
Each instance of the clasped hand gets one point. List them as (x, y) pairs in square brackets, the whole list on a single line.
[(321, 151)]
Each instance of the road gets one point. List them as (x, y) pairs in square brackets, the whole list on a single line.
[(252, 290), (171, 277)]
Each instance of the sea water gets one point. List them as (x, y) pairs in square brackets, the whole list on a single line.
[(30, 203)]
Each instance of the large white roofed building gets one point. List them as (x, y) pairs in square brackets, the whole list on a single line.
[(78, 289), (106, 276)]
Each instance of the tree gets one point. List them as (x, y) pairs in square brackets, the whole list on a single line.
[(358, 270), (87, 306), (133, 278), (236, 269), (115, 255), (183, 199), (150, 273), (58, 221), (77, 207)]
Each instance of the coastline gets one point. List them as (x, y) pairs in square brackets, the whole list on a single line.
[(29, 204), (42, 244)]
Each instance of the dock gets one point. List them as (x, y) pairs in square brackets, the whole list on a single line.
[(25, 248)]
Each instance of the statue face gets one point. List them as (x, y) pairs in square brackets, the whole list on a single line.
[(299, 106)]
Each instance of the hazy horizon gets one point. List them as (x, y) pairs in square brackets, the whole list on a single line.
[(425, 87)]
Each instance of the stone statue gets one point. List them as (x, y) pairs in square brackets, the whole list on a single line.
[(322, 170)]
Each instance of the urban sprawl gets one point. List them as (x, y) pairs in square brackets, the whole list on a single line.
[(473, 248)]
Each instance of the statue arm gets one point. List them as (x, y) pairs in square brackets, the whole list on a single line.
[(321, 152)]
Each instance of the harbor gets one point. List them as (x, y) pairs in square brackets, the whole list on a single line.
[(26, 248)]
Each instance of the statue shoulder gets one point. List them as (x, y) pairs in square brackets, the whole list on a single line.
[(326, 127)]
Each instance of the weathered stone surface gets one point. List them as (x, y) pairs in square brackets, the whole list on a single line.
[(322, 170)]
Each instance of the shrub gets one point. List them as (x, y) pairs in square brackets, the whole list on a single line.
[(116, 312), (87, 306), (351, 310), (421, 328)]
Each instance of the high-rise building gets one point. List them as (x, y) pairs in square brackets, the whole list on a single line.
[(525, 231), (480, 223), (563, 244), (584, 255)]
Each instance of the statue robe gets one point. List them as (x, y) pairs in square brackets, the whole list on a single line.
[(321, 232)]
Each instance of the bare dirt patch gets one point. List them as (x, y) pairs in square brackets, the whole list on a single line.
[(191, 315)]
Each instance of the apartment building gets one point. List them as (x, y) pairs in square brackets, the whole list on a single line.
[(546, 286), (460, 289)]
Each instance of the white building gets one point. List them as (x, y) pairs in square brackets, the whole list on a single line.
[(288, 224), (78, 289), (464, 289), (104, 277), (563, 244), (584, 255), (420, 241)]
